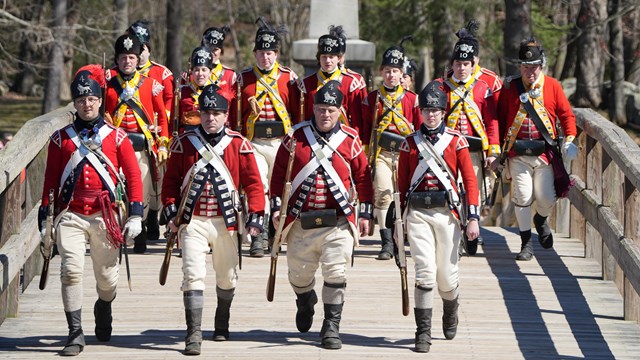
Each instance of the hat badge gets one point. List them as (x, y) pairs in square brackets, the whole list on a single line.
[(217, 35), (268, 38), (394, 53), (331, 42), (203, 54), (432, 99), (528, 54), (465, 48), (83, 86), (330, 99), (140, 30), (210, 101), (128, 43)]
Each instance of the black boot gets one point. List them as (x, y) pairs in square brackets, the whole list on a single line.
[(256, 249), (304, 316), (386, 253), (423, 329), (526, 248), (140, 242), (545, 237), (193, 315), (153, 227), (75, 340), (450, 318), (221, 322), (102, 313), (330, 332)]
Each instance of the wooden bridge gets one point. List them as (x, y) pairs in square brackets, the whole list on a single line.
[(577, 300)]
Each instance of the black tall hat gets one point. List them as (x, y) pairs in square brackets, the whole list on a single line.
[(201, 56), (394, 56), (213, 98), (329, 94), (267, 36), (213, 37), (531, 52), (433, 96), (467, 46), (338, 31), (140, 28), (84, 85), (128, 44)]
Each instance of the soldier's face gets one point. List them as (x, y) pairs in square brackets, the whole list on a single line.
[(462, 69), (200, 75), (88, 107), (144, 56), (127, 63), (329, 62), (406, 82), (432, 117), (265, 58), (530, 72), (326, 116), (391, 76), (216, 55), (213, 120)]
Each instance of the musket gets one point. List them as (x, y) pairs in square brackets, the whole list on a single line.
[(47, 242), (121, 206), (498, 181), (277, 240), (173, 236), (302, 106), (176, 107), (374, 138), (239, 106), (398, 228), (463, 212)]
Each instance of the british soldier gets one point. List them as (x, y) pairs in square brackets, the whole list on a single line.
[(409, 70), (396, 115), (83, 170), (266, 107), (471, 109), (430, 161), (223, 164), (532, 106), (201, 64), (131, 100), (163, 76), (330, 54), (491, 78), (221, 75), (329, 168), (339, 32)]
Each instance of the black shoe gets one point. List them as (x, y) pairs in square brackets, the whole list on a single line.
[(256, 249), (525, 254), (140, 242), (304, 315), (71, 350), (153, 227), (545, 237), (102, 314), (220, 335)]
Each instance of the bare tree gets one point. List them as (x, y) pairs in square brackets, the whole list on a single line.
[(617, 98), (174, 37), (443, 38), (591, 46), (121, 17), (517, 26), (27, 72), (56, 57), (632, 45)]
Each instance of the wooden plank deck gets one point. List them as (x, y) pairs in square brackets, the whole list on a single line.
[(554, 307)]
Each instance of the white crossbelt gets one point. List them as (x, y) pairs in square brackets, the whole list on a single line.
[(429, 162)]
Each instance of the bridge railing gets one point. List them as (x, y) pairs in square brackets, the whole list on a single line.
[(22, 165), (605, 203)]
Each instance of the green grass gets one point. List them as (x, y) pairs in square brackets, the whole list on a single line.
[(15, 112)]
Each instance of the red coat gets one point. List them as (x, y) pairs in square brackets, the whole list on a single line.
[(188, 107), (162, 75), (483, 97), (351, 90), (555, 102), (492, 79), (150, 98), (248, 79), (364, 122), (117, 147), (457, 157), (351, 151), (238, 157)]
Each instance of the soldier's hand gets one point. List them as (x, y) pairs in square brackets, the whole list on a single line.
[(254, 106), (488, 162), (364, 225), (569, 151), (172, 226), (275, 218), (253, 231), (132, 228), (473, 229), (162, 157)]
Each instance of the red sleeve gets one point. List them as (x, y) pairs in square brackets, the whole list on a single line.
[(159, 110), (174, 175), (52, 172), (131, 170), (279, 172), (490, 118), (250, 179), (465, 166), (564, 112), (361, 172), (167, 94), (405, 169)]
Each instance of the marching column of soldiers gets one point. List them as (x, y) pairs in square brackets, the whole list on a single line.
[(311, 162)]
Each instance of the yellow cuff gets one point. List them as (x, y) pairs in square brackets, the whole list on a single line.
[(569, 139), (494, 150), (162, 141)]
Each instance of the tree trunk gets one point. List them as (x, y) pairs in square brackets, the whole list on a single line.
[(617, 98), (632, 47), (25, 79), (174, 37), (73, 16), (234, 34), (517, 27), (56, 57), (444, 39), (121, 17), (591, 46)]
